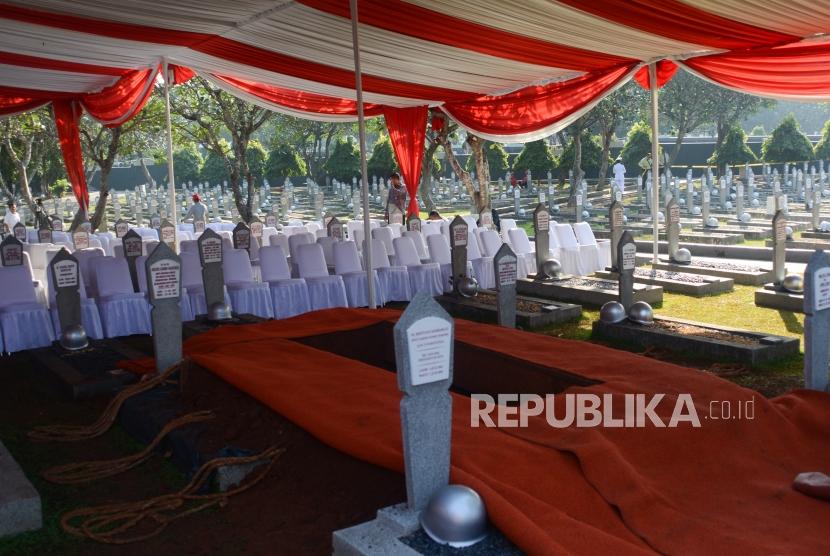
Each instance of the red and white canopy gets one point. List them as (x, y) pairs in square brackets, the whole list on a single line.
[(504, 69)]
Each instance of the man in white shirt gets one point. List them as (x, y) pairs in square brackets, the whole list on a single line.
[(12, 217), (619, 175)]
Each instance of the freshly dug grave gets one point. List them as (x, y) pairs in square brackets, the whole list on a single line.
[(522, 305), (711, 333)]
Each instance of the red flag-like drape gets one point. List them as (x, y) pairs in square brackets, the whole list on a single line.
[(665, 71), (407, 131), (67, 116)]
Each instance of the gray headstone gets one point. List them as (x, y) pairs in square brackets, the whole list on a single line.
[(414, 224), (242, 237), (44, 235), (616, 220), (210, 256), (816, 219), (817, 321), (704, 208), (199, 226), (739, 199), (66, 280), (155, 221), (164, 289), (458, 244), (57, 224), (271, 220), (779, 247), (121, 228), (485, 218), (334, 229), (167, 234), (11, 251), (541, 231), (578, 204), (19, 232), (672, 226), (517, 195), (506, 268), (80, 239), (627, 257), (133, 247), (424, 357), (256, 227)]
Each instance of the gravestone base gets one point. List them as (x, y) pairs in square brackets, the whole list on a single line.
[(551, 313), (201, 323), (765, 348), (586, 291), (749, 232), (744, 277), (694, 285), (20, 507), (771, 298), (380, 536), (816, 235), (91, 371), (810, 245)]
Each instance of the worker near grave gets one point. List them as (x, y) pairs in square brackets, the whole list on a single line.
[(397, 194), (11, 218), (197, 211), (619, 174)]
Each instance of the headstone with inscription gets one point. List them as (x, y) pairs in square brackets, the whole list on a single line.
[(816, 214), (779, 248), (672, 227), (458, 245), (66, 281), (704, 208), (817, 322), (242, 237), (335, 229), (424, 359), (414, 223), (210, 256), (739, 198), (57, 224), (541, 232), (133, 247), (121, 228), (627, 258), (485, 218), (578, 205), (80, 239), (167, 234), (11, 251), (44, 235), (19, 232), (164, 289), (517, 194), (256, 227), (506, 270), (271, 220)]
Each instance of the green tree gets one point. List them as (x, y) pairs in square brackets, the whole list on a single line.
[(284, 161), (732, 107), (610, 114), (733, 150), (23, 138), (688, 102), (591, 154), (787, 143), (187, 163), (257, 157), (822, 148), (344, 162), (537, 157), (637, 145), (382, 162), (758, 131), (497, 160), (214, 171)]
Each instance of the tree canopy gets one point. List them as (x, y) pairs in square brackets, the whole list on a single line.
[(344, 162), (537, 157), (382, 162), (284, 162), (637, 145), (733, 150), (787, 143)]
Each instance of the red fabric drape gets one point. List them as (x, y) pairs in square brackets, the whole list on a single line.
[(534, 108), (665, 71), (14, 104), (795, 71), (67, 116), (181, 74), (122, 101), (407, 131), (299, 100)]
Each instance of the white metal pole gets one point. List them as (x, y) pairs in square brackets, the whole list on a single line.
[(171, 179), (364, 182), (655, 160)]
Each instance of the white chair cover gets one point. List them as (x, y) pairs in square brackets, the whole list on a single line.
[(418, 240), (123, 312), (247, 296), (85, 258), (394, 280), (189, 245), (423, 277), (347, 266), (525, 251), (294, 241), (430, 227), (491, 243), (507, 224), (90, 318), (482, 266), (192, 283), (324, 290), (439, 252), (289, 295), (385, 235), (279, 240), (585, 236), (327, 243), (397, 229), (24, 323), (577, 260)]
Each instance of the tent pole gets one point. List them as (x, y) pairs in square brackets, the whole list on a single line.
[(364, 182), (655, 160), (171, 179)]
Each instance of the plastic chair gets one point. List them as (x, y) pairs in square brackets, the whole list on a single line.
[(423, 277), (123, 311), (347, 265), (288, 295), (394, 280), (247, 295), (585, 236), (24, 322), (324, 290)]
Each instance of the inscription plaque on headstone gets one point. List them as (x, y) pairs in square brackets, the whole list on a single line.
[(57, 224), (242, 237), (80, 239), (779, 247), (164, 288), (335, 229), (121, 228), (210, 255), (256, 227), (424, 358), (616, 219), (627, 257), (199, 226), (44, 235), (19, 232), (541, 231), (817, 322), (506, 269), (414, 224), (11, 251), (133, 247), (458, 245), (672, 227), (167, 234), (65, 278), (271, 220)]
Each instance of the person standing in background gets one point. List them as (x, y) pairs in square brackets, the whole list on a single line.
[(619, 175), (11, 218), (397, 194), (197, 211)]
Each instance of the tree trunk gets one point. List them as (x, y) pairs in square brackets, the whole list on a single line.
[(678, 142), (147, 176), (577, 167), (479, 154), (462, 174), (426, 177), (103, 195), (607, 134)]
